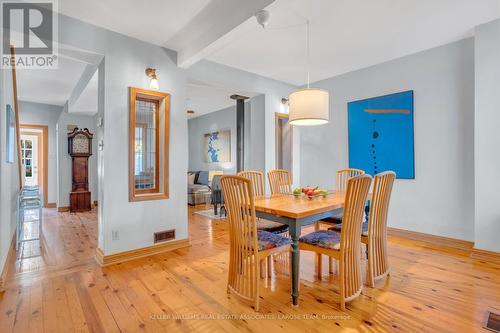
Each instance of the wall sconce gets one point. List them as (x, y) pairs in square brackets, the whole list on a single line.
[(151, 73), (284, 101)]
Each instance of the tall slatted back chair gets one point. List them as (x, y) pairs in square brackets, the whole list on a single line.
[(378, 264), (346, 246), (350, 240), (279, 181), (257, 179), (247, 249), (344, 175)]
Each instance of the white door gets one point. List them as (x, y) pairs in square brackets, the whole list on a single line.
[(29, 155)]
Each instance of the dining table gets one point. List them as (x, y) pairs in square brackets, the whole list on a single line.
[(297, 211)]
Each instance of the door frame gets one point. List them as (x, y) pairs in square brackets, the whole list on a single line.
[(278, 116), (43, 154)]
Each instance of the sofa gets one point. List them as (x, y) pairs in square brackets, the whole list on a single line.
[(197, 187)]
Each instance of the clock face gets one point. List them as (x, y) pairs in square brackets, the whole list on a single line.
[(80, 144)]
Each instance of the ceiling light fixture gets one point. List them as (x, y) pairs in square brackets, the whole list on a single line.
[(190, 111), (153, 83), (262, 17), (308, 106)]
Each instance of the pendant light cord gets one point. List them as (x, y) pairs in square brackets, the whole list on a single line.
[(308, 51)]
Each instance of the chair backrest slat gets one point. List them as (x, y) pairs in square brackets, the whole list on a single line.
[(257, 179), (350, 247), (344, 175), (279, 181), (377, 223)]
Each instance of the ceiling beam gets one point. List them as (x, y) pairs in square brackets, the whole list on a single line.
[(82, 83), (203, 34)]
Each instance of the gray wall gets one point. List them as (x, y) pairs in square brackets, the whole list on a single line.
[(440, 199), (487, 138), (45, 114), (226, 119), (9, 177)]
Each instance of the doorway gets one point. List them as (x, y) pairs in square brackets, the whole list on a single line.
[(284, 143), (34, 157)]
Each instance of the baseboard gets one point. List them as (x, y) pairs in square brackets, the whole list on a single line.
[(112, 259), (485, 255), (51, 205), (5, 268), (63, 209), (432, 239)]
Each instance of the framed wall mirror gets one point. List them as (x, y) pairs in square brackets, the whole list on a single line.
[(149, 132), (284, 143)]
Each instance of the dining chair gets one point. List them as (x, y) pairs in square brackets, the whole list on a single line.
[(344, 246), (248, 246), (280, 181), (257, 181), (342, 177), (374, 232)]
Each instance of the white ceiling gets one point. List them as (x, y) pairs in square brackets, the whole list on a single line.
[(49, 86), (155, 21), (204, 99), (347, 35)]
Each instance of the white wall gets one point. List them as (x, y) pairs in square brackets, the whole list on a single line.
[(64, 171), (9, 177), (45, 114), (487, 137), (440, 199), (125, 61)]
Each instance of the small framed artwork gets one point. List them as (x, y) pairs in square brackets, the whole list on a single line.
[(10, 134), (217, 146)]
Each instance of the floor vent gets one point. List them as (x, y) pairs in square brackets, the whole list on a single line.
[(163, 236), (493, 323)]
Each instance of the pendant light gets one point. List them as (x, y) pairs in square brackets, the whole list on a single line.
[(308, 106)]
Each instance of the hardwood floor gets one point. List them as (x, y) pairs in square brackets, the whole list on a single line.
[(430, 289)]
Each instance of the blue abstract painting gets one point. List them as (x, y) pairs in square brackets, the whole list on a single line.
[(381, 134), (218, 147)]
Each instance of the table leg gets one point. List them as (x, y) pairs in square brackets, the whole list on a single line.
[(295, 234)]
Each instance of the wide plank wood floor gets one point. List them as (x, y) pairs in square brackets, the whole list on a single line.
[(58, 287)]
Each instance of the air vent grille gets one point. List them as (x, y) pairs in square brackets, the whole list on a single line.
[(163, 236)]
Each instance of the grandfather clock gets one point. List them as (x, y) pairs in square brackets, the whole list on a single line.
[(80, 149)]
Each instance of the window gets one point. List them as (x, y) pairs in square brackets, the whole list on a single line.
[(149, 140)]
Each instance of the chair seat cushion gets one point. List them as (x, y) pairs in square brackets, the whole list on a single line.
[(322, 238), (268, 240), (271, 226), (335, 219), (338, 228)]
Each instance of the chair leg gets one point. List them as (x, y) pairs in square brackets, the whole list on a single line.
[(319, 265), (269, 266), (316, 226), (330, 265), (263, 269)]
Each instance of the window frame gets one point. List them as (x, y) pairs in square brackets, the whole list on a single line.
[(160, 191)]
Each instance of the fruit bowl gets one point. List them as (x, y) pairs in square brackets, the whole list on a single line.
[(310, 192)]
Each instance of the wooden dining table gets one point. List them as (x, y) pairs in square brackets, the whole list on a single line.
[(297, 212)]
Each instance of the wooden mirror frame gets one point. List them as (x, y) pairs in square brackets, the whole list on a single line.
[(164, 103), (278, 117)]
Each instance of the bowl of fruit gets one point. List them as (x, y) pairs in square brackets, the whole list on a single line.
[(310, 192)]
